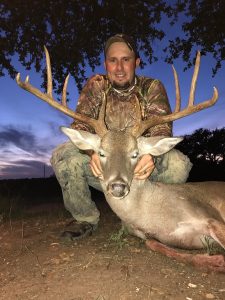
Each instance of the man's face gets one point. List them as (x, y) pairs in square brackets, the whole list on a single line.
[(120, 64)]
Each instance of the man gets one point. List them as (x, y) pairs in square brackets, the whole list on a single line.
[(76, 170)]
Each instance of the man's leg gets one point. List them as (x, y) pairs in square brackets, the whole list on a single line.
[(172, 167), (74, 176)]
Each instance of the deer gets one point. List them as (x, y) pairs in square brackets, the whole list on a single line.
[(168, 217)]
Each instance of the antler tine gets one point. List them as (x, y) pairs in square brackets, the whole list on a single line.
[(45, 97), (49, 79), (177, 87), (98, 125), (194, 79), (65, 90), (177, 114), (49, 73)]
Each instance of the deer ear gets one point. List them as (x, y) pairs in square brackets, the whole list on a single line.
[(82, 139), (157, 145)]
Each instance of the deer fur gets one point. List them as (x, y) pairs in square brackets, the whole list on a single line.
[(179, 215)]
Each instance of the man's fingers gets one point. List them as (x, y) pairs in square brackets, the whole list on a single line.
[(96, 167), (143, 175), (144, 169), (145, 162), (94, 171)]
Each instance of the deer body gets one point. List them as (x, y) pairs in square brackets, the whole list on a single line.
[(175, 214), (172, 215)]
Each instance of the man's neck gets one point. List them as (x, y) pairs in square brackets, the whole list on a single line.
[(125, 90)]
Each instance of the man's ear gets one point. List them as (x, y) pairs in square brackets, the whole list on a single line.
[(138, 61), (82, 139), (157, 145)]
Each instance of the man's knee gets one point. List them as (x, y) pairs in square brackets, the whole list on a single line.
[(172, 167), (67, 156), (68, 164), (64, 152)]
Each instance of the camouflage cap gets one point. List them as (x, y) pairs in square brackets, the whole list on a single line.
[(120, 37)]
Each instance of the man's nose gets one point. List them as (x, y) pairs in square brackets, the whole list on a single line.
[(119, 65)]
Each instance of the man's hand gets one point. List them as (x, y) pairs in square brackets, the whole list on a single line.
[(95, 165), (144, 167)]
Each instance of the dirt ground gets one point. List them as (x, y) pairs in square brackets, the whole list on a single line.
[(37, 264)]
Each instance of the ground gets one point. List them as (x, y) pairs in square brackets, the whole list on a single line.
[(37, 264)]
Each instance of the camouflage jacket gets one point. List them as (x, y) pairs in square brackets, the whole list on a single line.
[(120, 108)]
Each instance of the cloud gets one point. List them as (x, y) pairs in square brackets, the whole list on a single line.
[(25, 169), (23, 139), (23, 154)]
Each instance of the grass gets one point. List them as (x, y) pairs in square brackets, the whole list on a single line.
[(118, 238)]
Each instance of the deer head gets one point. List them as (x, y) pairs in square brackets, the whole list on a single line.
[(120, 150)]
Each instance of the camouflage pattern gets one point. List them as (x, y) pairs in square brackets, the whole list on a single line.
[(75, 176), (71, 166), (121, 111)]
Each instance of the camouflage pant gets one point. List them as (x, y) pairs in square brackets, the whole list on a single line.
[(74, 175)]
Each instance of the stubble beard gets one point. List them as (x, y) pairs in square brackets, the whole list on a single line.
[(123, 86)]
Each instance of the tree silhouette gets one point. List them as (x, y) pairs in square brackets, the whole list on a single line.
[(74, 31), (206, 150), (203, 28)]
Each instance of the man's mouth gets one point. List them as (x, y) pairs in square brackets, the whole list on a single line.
[(120, 76)]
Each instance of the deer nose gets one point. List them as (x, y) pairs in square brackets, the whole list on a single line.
[(118, 189)]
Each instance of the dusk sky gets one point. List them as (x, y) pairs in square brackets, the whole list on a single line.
[(29, 127)]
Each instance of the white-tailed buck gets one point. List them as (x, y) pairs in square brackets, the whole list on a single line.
[(177, 215)]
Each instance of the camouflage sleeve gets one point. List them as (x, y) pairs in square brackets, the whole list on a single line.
[(89, 101), (157, 103)]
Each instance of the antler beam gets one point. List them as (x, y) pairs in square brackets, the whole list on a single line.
[(177, 114), (98, 125)]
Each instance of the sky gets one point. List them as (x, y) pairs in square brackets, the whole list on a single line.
[(29, 127)]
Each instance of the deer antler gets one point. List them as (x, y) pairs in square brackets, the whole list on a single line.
[(142, 126), (98, 125)]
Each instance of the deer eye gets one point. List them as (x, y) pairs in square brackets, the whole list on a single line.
[(134, 155), (101, 154)]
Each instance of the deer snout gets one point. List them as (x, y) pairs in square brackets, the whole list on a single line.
[(118, 189)]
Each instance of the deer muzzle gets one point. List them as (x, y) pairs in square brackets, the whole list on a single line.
[(118, 189)]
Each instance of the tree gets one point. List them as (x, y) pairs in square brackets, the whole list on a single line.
[(206, 150), (74, 31), (204, 28)]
